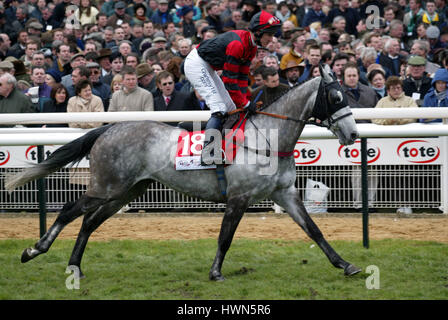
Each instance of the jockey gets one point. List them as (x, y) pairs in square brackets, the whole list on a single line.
[(231, 52)]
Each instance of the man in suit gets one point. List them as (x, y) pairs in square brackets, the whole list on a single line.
[(170, 99), (392, 58)]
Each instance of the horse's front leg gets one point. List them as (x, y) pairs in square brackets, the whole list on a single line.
[(290, 200), (234, 212)]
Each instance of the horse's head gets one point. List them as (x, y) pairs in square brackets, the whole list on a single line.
[(333, 110)]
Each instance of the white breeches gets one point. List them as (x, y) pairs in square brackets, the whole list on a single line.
[(207, 83)]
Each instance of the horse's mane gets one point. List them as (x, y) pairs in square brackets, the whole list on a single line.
[(284, 93)]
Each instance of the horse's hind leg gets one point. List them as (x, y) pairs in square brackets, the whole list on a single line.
[(290, 200), (69, 212), (232, 217), (94, 219)]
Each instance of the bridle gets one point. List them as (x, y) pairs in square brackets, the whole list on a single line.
[(326, 119)]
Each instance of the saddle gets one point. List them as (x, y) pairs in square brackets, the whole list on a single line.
[(190, 142)]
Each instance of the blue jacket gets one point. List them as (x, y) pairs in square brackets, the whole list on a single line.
[(431, 100), (313, 16), (161, 18)]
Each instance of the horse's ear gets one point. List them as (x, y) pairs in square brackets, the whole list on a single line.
[(325, 74)]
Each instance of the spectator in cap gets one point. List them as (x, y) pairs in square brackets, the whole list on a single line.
[(197, 13), (52, 78), (6, 66), (140, 16), (119, 15), (162, 14), (35, 28), (76, 60), (159, 42), (102, 89), (20, 71), (417, 84), (146, 77), (433, 34), (437, 95)]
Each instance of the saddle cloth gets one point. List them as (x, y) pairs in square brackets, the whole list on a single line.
[(190, 143)]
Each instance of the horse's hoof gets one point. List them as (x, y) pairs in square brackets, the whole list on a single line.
[(28, 254), (351, 270), (216, 276)]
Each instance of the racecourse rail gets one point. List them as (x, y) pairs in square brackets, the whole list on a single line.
[(21, 136)]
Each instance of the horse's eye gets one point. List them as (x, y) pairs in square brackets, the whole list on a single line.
[(335, 96)]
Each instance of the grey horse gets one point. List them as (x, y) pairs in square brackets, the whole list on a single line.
[(126, 157)]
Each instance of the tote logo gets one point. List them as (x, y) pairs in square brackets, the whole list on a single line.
[(418, 151), (4, 157), (31, 153), (306, 153), (353, 153)]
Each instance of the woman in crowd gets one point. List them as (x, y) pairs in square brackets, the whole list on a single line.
[(437, 95), (377, 81), (57, 103)]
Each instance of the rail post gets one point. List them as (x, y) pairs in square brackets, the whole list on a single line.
[(41, 195), (365, 194)]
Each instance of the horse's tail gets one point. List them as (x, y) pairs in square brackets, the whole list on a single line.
[(71, 153)]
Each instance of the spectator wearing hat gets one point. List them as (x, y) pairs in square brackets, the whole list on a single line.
[(119, 15), (52, 78), (159, 43), (433, 34), (139, 17), (102, 89), (417, 84), (76, 60), (131, 97), (292, 72), (20, 71), (162, 14), (395, 98), (103, 60), (6, 67), (12, 100), (437, 95), (146, 77), (249, 9), (35, 28), (186, 21), (197, 13)]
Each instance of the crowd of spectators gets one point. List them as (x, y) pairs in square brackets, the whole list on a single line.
[(115, 55)]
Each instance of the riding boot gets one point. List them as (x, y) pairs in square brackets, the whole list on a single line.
[(212, 133)]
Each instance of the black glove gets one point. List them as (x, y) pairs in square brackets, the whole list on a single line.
[(251, 107)]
